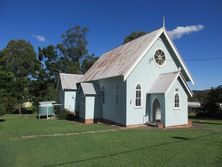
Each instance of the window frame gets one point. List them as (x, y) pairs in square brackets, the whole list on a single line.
[(176, 101), (164, 56), (138, 98)]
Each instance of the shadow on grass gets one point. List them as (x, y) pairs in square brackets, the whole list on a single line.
[(110, 155), (181, 139), (204, 117), (206, 122), (2, 120)]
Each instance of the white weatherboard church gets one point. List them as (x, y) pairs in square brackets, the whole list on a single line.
[(142, 81)]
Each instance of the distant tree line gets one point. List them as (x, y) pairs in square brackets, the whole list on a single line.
[(211, 101), (29, 76)]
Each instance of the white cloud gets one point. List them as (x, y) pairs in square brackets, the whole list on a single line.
[(179, 31), (39, 38)]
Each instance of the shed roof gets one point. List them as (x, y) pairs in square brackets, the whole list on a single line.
[(164, 81), (68, 81), (88, 88), (122, 60)]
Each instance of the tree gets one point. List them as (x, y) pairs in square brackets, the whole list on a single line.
[(2, 102), (21, 92), (214, 97), (87, 62), (7, 92), (42, 90), (67, 66), (48, 71), (133, 36), (199, 95), (25, 76), (48, 56), (73, 49), (19, 65), (19, 57)]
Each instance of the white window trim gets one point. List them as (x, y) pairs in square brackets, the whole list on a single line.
[(141, 99), (176, 108), (156, 62)]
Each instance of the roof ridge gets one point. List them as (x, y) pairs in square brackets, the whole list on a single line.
[(123, 53), (124, 44), (71, 74)]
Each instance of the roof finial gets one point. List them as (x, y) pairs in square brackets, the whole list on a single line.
[(164, 21)]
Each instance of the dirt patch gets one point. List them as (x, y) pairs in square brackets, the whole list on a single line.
[(69, 134)]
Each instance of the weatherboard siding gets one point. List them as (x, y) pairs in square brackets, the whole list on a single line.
[(89, 107), (109, 110), (69, 100), (176, 116), (145, 73)]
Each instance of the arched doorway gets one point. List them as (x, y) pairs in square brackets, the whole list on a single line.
[(156, 110)]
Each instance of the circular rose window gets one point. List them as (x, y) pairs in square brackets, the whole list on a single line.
[(159, 57)]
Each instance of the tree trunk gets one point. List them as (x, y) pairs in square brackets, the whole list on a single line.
[(20, 109)]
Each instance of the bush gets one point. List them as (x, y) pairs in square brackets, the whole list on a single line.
[(212, 101), (217, 115), (66, 114), (30, 110), (2, 109)]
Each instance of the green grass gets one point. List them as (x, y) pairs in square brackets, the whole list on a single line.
[(198, 146)]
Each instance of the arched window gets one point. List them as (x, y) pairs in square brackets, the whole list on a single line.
[(103, 95), (138, 95), (176, 101), (117, 91)]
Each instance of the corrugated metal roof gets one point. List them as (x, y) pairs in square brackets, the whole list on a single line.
[(68, 81), (118, 61), (163, 82), (88, 88)]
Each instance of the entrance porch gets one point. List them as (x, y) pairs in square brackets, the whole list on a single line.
[(155, 110)]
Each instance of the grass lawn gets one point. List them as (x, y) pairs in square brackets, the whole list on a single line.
[(104, 145)]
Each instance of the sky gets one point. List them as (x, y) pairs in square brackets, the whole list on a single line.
[(195, 26)]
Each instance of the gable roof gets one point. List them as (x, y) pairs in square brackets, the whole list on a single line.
[(122, 60), (68, 81), (88, 88), (119, 60), (164, 81)]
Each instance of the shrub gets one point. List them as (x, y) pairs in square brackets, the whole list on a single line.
[(212, 101), (2, 109), (66, 114)]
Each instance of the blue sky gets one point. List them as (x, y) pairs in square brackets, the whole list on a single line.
[(43, 21)]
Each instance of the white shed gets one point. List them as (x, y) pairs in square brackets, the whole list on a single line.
[(67, 90)]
